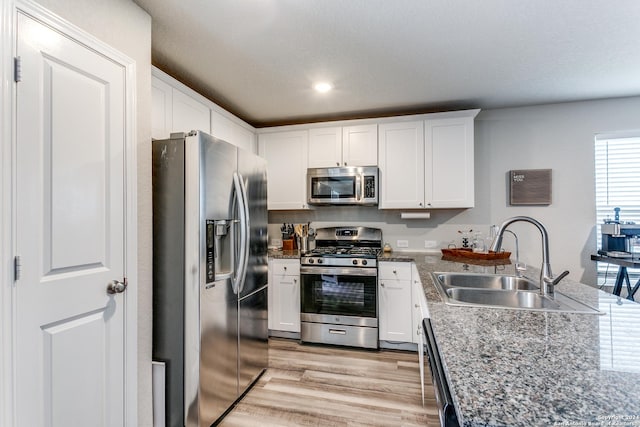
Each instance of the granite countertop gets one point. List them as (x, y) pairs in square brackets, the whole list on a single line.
[(281, 254), (526, 368)]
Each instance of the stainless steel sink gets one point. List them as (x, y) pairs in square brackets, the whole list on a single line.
[(486, 281), (507, 299), (500, 291)]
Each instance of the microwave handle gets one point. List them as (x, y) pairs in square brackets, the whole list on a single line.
[(360, 186)]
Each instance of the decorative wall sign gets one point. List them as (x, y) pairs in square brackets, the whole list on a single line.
[(530, 187)]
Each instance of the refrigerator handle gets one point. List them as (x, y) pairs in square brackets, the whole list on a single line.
[(243, 214)]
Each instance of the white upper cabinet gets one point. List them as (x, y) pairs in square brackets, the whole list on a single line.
[(360, 145), (176, 108), (161, 109), (227, 130), (428, 164), (286, 155), (189, 114), (325, 147), (449, 171), (401, 163), (343, 146)]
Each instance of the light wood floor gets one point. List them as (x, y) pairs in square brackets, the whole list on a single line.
[(309, 385)]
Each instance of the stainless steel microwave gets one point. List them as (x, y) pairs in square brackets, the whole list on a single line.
[(352, 185)]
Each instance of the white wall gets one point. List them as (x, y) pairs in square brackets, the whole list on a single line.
[(556, 136), (126, 27)]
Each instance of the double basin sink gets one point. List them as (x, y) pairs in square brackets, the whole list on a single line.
[(500, 291)]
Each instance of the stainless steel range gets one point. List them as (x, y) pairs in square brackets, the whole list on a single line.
[(338, 287)]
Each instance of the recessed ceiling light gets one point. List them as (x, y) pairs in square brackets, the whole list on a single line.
[(323, 87)]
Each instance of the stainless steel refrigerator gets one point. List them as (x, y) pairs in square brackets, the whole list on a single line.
[(210, 274)]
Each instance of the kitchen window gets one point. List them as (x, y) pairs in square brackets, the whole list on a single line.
[(617, 179)]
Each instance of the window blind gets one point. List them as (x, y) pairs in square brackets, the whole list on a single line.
[(617, 176)]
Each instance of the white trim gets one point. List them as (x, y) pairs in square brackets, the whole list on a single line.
[(7, 249), (375, 120), (617, 135), (7, 377)]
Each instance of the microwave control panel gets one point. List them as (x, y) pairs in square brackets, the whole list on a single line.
[(369, 187)]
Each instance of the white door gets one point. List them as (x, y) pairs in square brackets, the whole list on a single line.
[(69, 232)]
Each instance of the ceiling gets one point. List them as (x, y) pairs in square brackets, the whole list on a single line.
[(259, 58)]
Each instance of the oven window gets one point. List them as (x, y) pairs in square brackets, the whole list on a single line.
[(333, 187), (339, 295)]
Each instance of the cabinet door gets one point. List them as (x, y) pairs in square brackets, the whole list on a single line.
[(161, 109), (227, 130), (284, 295), (449, 178), (360, 145), (395, 318), (325, 147), (189, 114), (286, 155), (287, 303), (394, 291), (401, 162)]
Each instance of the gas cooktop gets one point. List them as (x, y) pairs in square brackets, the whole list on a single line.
[(345, 246)]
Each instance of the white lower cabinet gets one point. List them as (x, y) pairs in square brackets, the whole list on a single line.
[(284, 295), (394, 299)]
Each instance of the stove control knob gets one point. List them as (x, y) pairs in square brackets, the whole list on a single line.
[(320, 261), (364, 262), (355, 262), (310, 260)]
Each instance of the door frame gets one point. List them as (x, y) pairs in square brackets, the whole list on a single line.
[(8, 33)]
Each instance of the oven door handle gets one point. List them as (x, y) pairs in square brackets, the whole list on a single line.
[(340, 271)]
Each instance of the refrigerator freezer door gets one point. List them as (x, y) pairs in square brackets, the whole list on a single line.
[(218, 387)]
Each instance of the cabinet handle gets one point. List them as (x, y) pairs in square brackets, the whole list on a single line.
[(295, 280), (382, 284), (345, 163), (420, 204), (395, 272), (417, 306), (285, 268), (337, 163)]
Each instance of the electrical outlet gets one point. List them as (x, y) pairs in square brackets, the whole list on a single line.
[(402, 243), (428, 244)]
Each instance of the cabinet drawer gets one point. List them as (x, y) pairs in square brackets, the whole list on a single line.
[(285, 268), (394, 271)]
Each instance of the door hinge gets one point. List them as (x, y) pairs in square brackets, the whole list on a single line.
[(17, 69), (17, 268)]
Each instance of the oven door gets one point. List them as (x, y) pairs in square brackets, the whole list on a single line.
[(337, 295)]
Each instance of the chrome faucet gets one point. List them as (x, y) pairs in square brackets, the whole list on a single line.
[(519, 268), (547, 281)]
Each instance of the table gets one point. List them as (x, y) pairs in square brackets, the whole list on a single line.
[(623, 275)]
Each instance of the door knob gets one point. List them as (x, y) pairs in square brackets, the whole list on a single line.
[(116, 286)]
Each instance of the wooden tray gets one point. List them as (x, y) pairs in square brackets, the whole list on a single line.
[(469, 254)]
